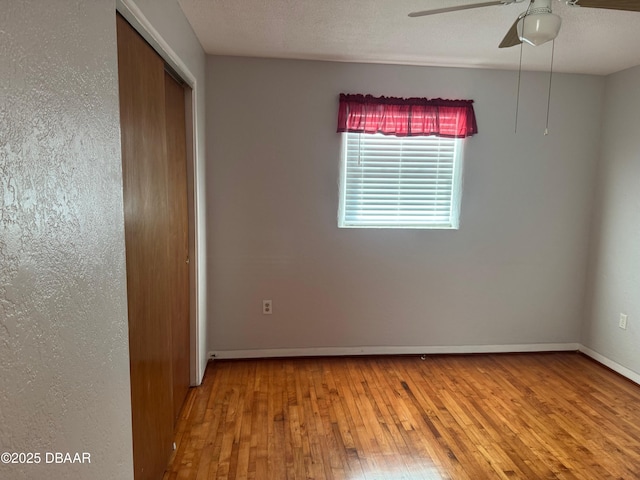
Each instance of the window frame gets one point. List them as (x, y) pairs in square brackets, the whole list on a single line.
[(456, 190)]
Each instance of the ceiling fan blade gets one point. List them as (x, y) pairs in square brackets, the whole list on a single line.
[(511, 39), (628, 5), (455, 9)]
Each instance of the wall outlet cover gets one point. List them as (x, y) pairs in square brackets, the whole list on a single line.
[(267, 307), (622, 323)]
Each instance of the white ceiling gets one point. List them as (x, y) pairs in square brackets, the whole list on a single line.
[(591, 40)]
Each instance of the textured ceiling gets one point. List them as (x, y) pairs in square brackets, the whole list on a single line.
[(591, 41)]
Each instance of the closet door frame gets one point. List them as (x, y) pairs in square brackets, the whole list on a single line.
[(139, 22)]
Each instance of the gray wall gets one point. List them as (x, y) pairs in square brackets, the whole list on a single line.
[(513, 273), (64, 368), (614, 273)]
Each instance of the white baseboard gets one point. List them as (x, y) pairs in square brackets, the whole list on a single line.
[(413, 350), (616, 367)]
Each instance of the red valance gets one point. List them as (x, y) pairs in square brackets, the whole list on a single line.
[(406, 117)]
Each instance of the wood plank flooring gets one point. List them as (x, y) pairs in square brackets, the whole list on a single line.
[(526, 416)]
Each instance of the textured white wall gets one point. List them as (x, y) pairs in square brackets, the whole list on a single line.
[(614, 273), (64, 369), (513, 273), (169, 21)]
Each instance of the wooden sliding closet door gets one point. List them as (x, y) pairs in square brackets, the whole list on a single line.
[(147, 228), (179, 239)]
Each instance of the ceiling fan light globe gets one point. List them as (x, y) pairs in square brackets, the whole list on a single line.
[(539, 28)]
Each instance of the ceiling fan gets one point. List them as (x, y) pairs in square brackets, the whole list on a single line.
[(537, 25)]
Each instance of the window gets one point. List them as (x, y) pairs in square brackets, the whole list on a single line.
[(402, 160), (400, 182)]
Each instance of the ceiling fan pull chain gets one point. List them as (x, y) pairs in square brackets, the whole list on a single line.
[(553, 50), (518, 94)]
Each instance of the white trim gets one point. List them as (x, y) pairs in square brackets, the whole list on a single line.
[(132, 13), (432, 350), (607, 362), (380, 350)]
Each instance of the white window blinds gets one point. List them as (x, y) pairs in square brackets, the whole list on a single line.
[(400, 182)]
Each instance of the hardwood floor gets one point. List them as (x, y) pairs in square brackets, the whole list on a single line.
[(529, 416)]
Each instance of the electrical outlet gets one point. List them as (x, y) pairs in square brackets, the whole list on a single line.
[(267, 307), (622, 323)]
